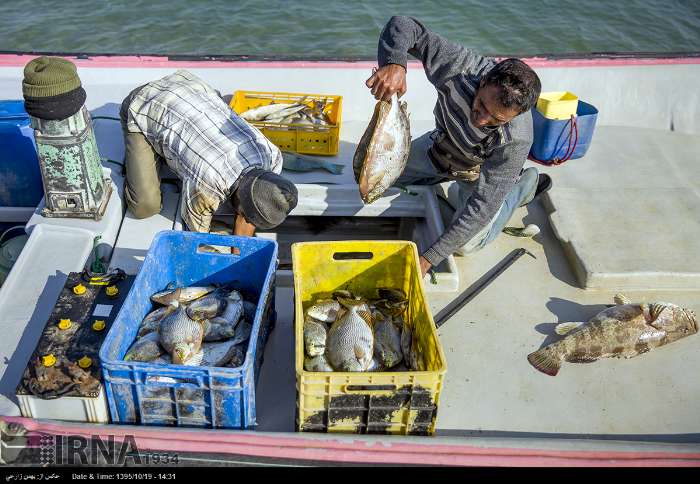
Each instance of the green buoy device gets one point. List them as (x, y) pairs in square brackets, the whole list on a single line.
[(71, 168)]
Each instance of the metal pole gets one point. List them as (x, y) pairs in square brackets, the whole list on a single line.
[(470, 293)]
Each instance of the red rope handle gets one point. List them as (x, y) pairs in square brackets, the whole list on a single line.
[(573, 134)]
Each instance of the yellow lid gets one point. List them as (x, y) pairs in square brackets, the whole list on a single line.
[(64, 324), (85, 362), (48, 360), (112, 290), (79, 289), (98, 325)]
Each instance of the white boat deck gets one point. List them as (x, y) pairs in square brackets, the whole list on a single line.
[(491, 391)]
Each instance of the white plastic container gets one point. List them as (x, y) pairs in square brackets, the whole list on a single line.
[(76, 409)]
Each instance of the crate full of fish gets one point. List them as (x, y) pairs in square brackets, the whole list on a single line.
[(367, 355), (187, 345), (297, 122)]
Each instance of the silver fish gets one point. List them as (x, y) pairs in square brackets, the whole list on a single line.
[(261, 112), (217, 354), (181, 336), (382, 153), (317, 363), (152, 320), (242, 332), (315, 333), (375, 365), (387, 343), (325, 310), (237, 358), (350, 343), (145, 348), (217, 331), (165, 359), (181, 294), (622, 331), (206, 307), (234, 309)]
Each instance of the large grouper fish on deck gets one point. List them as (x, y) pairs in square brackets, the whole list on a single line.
[(625, 330), (383, 151)]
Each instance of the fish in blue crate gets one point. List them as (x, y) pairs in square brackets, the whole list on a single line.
[(195, 326)]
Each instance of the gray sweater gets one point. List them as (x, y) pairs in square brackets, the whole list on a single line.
[(500, 153)]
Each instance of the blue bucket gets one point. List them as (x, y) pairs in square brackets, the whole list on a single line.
[(552, 137), (20, 176)]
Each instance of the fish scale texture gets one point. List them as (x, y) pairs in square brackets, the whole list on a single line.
[(346, 336)]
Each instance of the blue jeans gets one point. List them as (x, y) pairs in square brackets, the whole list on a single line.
[(421, 171)]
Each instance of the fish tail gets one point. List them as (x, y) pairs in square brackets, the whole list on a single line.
[(545, 361)]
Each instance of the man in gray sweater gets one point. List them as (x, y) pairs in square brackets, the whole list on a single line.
[(482, 136)]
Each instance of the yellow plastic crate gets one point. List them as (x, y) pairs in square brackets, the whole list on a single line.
[(557, 105), (404, 403), (299, 138)]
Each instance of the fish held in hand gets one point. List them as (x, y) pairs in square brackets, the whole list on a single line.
[(383, 150), (622, 331), (350, 343)]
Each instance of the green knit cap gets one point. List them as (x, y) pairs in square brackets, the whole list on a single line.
[(49, 76)]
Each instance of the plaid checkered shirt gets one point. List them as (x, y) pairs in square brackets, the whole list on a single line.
[(202, 140)]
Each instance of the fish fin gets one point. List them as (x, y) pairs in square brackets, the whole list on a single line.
[(359, 352), (349, 303), (545, 362), (566, 328), (582, 358), (620, 298), (367, 316)]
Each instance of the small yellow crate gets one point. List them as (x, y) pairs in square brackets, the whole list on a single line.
[(557, 105), (404, 403), (299, 138)]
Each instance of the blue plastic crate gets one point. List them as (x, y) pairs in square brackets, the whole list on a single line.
[(210, 397), (551, 136), (20, 176)]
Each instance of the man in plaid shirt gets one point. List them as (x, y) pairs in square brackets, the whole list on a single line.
[(216, 154)]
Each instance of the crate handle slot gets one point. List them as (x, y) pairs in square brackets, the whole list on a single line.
[(352, 255), (218, 249), (369, 389)]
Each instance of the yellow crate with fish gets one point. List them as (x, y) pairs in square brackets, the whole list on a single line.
[(298, 122), (367, 355)]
